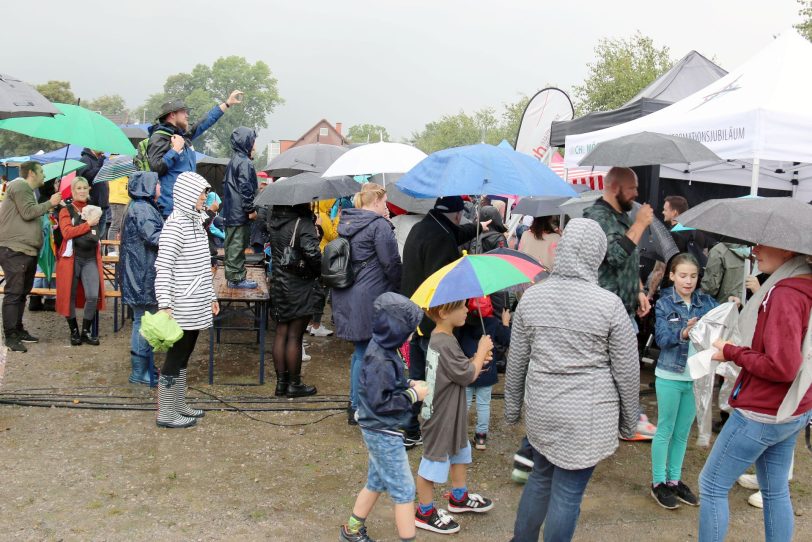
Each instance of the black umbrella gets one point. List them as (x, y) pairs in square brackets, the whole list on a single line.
[(656, 242), (18, 99), (306, 188), (776, 222), (134, 134), (539, 206), (315, 157), (648, 149), (213, 170)]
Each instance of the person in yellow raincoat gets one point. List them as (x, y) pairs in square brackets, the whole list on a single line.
[(329, 232)]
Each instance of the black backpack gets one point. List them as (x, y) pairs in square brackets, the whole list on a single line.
[(336, 264)]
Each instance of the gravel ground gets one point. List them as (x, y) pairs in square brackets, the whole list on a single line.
[(73, 474)]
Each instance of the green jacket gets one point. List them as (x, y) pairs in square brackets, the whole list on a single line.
[(20, 227), (620, 271), (724, 272)]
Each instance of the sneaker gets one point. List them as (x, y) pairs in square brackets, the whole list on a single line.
[(646, 428), (351, 419), (479, 441), (756, 500), (684, 494), (360, 536), (749, 481), (520, 473), (26, 337), (305, 355), (664, 496), (436, 521), (410, 440), (244, 284), (15, 344), (470, 502), (321, 331)]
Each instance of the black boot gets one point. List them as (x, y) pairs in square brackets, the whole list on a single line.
[(298, 389), (87, 334), (282, 383), (75, 337)]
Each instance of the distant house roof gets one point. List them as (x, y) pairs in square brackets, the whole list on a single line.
[(333, 136)]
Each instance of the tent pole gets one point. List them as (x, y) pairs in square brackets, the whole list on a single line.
[(754, 180)]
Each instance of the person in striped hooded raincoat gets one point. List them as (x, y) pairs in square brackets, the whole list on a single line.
[(183, 287)]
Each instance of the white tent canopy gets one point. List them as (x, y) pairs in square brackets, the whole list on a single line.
[(758, 117)]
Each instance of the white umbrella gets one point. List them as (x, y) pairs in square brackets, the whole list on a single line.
[(374, 158)]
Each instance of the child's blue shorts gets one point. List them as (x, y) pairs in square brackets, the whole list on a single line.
[(437, 471)]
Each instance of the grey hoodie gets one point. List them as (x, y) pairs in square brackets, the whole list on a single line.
[(573, 358)]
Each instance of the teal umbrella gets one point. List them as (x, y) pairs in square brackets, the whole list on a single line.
[(75, 126), (59, 169)]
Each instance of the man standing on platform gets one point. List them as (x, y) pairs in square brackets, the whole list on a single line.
[(620, 271), (20, 241), (169, 150), (239, 191)]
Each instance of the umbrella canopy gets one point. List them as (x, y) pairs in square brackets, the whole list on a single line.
[(135, 133), (539, 206), (121, 166), (374, 158), (398, 198), (213, 170), (777, 222), (482, 169), (648, 149), (18, 99), (314, 157), (57, 169), (305, 188), (76, 126), (474, 276), (575, 207)]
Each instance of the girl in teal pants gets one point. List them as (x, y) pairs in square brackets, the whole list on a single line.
[(677, 311)]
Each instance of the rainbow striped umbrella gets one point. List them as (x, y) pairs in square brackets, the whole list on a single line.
[(474, 276)]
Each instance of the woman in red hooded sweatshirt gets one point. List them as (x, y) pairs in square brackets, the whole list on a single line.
[(79, 282), (755, 433)]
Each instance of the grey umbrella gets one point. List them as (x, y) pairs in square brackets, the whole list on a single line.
[(398, 198), (539, 206), (18, 99), (315, 157), (777, 222), (656, 241), (648, 149), (306, 188), (134, 134)]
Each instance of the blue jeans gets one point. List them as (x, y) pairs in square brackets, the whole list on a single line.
[(139, 347), (389, 468), (741, 443), (356, 361), (551, 496), (483, 405)]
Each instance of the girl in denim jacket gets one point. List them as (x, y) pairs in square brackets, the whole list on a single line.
[(677, 311)]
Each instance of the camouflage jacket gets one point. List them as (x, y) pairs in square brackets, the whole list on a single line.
[(620, 271)]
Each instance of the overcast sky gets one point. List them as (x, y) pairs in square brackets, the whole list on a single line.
[(396, 63)]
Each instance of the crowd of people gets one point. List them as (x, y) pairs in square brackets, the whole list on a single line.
[(569, 345)]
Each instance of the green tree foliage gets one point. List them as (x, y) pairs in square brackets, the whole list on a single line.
[(623, 67), (805, 26), (207, 86), (483, 126), (111, 104), (367, 133), (12, 144), (150, 109)]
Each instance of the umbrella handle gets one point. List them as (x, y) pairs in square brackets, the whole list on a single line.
[(65, 160)]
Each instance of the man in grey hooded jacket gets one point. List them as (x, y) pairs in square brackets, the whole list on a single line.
[(574, 353)]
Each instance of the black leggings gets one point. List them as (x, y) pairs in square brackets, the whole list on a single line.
[(177, 357), (287, 345)]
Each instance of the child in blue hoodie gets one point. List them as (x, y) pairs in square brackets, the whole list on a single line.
[(385, 399), (468, 335)]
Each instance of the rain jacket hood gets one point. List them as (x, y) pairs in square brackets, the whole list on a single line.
[(578, 256), (354, 220), (395, 318), (142, 185), (242, 140)]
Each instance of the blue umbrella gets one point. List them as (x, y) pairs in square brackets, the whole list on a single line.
[(482, 169)]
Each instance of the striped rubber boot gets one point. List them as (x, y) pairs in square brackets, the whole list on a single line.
[(168, 415), (180, 399)]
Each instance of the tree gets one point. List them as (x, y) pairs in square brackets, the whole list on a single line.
[(367, 133), (622, 69), (206, 86), (805, 27), (12, 144), (463, 129), (110, 104), (150, 109)]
